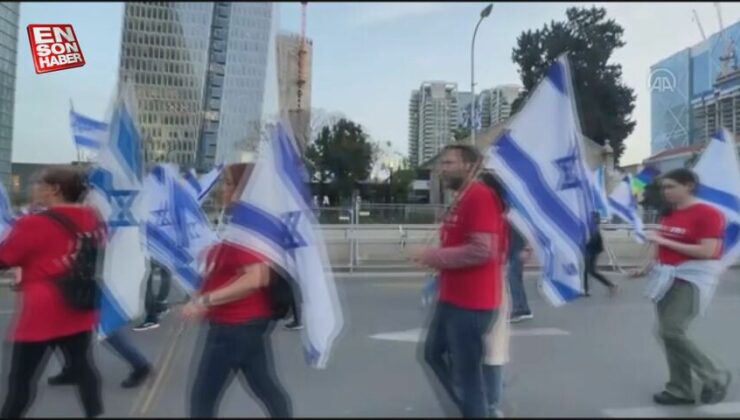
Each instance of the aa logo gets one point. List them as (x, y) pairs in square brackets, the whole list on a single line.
[(662, 80)]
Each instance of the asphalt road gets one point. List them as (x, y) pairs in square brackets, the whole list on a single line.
[(594, 357)]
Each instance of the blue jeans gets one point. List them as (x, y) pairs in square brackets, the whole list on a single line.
[(121, 345), (515, 274), (493, 376), (458, 334), (238, 347)]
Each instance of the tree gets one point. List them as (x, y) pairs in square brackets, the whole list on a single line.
[(341, 155), (461, 133), (401, 180), (605, 104)]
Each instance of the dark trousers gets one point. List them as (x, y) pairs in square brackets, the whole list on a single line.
[(515, 274), (454, 351), (295, 308), (155, 302), (591, 258), (119, 343), (29, 360), (236, 348)]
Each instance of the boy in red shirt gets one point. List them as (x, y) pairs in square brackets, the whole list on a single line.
[(472, 235)]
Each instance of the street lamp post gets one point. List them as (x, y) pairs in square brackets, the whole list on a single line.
[(483, 14)]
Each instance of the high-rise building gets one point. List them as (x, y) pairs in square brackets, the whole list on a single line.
[(8, 55), (292, 75), (694, 91), (496, 104), (433, 115), (198, 72)]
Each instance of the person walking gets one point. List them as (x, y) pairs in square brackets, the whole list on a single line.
[(117, 341), (682, 281), (235, 299), (469, 280), (44, 319), (155, 304), (594, 248), (497, 339), (520, 310)]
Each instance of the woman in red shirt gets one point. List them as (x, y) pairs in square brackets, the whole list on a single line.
[(236, 301), (688, 242), (40, 247)]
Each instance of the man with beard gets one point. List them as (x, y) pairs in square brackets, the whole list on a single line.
[(472, 238)]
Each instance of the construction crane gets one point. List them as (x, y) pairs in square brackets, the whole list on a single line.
[(698, 23), (302, 55), (728, 59)]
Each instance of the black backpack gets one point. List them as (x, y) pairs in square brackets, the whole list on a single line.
[(80, 285), (281, 295)]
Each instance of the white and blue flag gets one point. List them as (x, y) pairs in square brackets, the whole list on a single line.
[(177, 231), (203, 185), (7, 218), (601, 201), (719, 179), (273, 217), (475, 122), (624, 204), (87, 132), (116, 186), (540, 161)]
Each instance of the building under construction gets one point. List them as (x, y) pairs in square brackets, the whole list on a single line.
[(696, 91)]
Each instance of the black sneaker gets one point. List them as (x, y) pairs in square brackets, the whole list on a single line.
[(712, 394), (519, 317), (137, 377), (63, 378), (666, 398), (293, 325), (146, 325)]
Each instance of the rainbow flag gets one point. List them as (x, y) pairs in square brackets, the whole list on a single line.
[(642, 179)]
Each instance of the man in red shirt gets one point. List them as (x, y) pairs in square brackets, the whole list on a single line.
[(472, 236)]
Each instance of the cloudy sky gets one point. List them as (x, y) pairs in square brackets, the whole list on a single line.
[(367, 59)]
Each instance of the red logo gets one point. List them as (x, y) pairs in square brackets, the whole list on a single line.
[(54, 47)]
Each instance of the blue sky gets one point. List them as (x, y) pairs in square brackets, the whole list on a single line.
[(367, 59)]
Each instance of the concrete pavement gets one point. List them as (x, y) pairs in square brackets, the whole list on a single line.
[(594, 357)]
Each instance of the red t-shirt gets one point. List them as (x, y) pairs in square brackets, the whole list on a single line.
[(226, 262), (689, 226), (479, 210), (38, 245)]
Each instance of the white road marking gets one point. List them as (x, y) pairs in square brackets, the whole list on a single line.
[(414, 335), (722, 409)]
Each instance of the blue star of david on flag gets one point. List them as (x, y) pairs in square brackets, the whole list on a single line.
[(122, 201), (292, 238), (568, 172)]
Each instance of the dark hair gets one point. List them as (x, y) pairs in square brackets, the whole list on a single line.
[(682, 176), (492, 182), (71, 181), (468, 153)]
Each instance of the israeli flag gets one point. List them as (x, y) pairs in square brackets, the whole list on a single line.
[(273, 217), (540, 161), (475, 122), (87, 132), (601, 201), (624, 204), (719, 178), (205, 184), (6, 213), (116, 186), (177, 230)]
